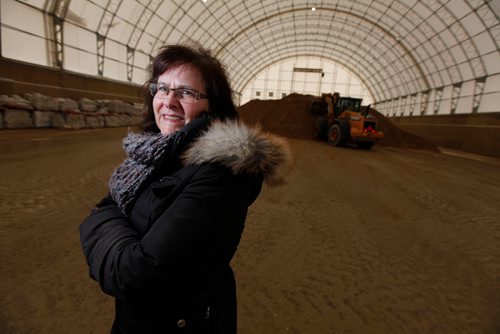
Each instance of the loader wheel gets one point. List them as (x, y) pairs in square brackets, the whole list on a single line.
[(320, 128), (337, 136), (365, 145)]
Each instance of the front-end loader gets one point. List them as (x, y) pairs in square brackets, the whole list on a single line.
[(341, 121)]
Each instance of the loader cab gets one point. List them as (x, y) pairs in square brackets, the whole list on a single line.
[(347, 103)]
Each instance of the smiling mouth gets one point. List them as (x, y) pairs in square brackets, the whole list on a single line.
[(171, 117)]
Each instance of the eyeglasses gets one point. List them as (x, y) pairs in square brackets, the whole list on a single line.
[(187, 95)]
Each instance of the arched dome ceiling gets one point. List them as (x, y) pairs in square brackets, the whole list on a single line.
[(397, 47)]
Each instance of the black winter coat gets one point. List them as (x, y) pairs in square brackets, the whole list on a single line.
[(167, 263)]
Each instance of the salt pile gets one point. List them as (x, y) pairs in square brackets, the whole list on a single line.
[(290, 117)]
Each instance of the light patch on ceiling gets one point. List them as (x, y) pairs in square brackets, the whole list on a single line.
[(74, 18)]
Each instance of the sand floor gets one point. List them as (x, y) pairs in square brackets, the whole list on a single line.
[(381, 241)]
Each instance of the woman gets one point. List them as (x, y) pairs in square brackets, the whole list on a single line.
[(162, 240)]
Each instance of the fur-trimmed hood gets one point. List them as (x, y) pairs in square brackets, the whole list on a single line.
[(243, 149)]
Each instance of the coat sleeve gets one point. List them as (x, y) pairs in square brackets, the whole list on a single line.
[(202, 225), (104, 235)]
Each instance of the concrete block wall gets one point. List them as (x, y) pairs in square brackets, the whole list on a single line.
[(35, 110)]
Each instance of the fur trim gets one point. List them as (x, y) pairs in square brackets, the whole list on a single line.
[(243, 149)]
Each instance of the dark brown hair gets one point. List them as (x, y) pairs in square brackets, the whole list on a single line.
[(213, 73)]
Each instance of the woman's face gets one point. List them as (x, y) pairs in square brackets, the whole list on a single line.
[(172, 113)]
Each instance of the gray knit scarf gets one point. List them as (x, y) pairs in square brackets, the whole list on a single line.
[(147, 155), (146, 152)]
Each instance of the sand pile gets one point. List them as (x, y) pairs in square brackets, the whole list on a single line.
[(396, 137), (290, 117)]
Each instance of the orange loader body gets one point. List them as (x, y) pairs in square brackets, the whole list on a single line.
[(341, 121)]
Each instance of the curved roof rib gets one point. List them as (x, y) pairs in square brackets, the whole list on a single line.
[(364, 55)]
